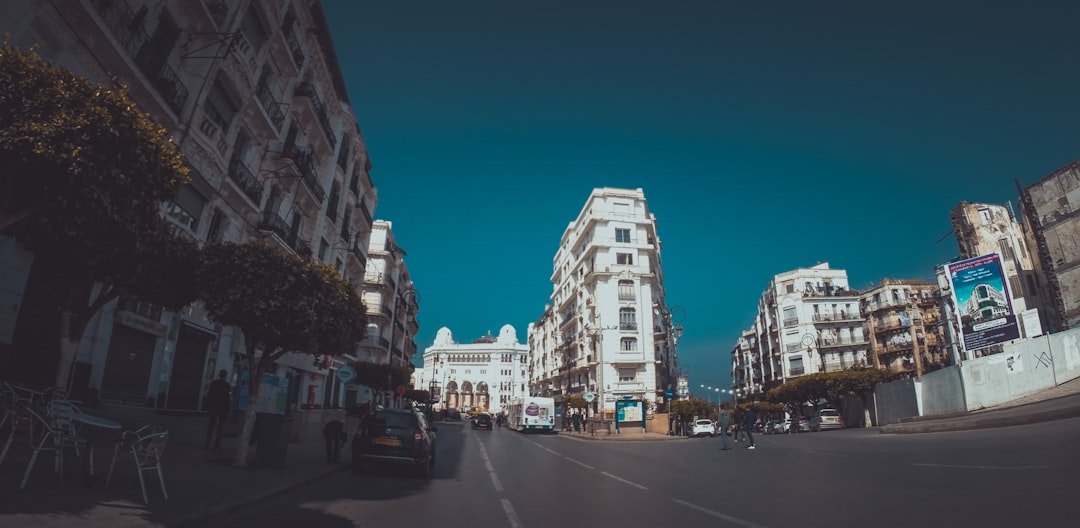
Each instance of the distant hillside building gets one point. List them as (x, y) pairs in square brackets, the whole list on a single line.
[(486, 373), (1051, 209), (608, 331)]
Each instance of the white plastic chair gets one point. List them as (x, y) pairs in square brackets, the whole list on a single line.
[(146, 446)]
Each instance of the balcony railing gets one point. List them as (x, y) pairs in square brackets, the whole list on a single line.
[(218, 9), (275, 224), (247, 181), (120, 20), (306, 89), (628, 326), (295, 48), (270, 105), (168, 84), (305, 163)]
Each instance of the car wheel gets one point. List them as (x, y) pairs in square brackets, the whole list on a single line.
[(424, 470)]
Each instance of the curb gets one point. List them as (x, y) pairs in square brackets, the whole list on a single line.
[(199, 518), (981, 423)]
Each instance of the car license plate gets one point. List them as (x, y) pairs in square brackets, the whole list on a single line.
[(388, 441)]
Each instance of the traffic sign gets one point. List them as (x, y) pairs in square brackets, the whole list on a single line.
[(346, 373), (401, 390), (589, 397)]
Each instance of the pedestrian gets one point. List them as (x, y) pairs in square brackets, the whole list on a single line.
[(335, 435), (748, 421), (577, 423), (217, 404), (725, 421), (740, 434)]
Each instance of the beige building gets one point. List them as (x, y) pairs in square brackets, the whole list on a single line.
[(485, 374), (253, 95), (904, 321)]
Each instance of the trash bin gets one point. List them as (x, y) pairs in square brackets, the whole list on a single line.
[(272, 443)]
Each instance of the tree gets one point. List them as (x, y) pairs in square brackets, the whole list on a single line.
[(281, 303), (85, 174)]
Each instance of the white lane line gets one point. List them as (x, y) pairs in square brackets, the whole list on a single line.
[(960, 466), (495, 482), (578, 462), (624, 481), (552, 452), (511, 515), (719, 515)]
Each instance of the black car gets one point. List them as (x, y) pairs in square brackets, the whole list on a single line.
[(394, 436), (482, 421)]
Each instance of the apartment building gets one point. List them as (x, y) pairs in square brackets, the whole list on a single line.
[(392, 305), (486, 373), (808, 320), (1052, 230), (906, 330), (253, 95), (608, 333), (982, 229)]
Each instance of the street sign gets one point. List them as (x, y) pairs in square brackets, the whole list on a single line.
[(589, 397), (346, 373), (401, 390), (669, 394)]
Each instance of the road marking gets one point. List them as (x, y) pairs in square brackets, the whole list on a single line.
[(511, 515), (495, 481), (582, 464), (719, 515), (624, 481), (556, 453), (961, 466)]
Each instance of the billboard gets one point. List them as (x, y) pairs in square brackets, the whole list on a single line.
[(982, 300)]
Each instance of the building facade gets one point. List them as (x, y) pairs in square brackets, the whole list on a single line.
[(982, 229), (906, 329), (1052, 228), (808, 320), (486, 373), (608, 333), (392, 304), (254, 97)]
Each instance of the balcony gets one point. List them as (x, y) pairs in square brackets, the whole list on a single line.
[(273, 223), (304, 160), (245, 180), (120, 19), (296, 49), (270, 105), (628, 326), (307, 90)]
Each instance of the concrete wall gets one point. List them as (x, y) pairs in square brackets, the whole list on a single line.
[(1065, 349), (941, 392), (1023, 368), (895, 400)]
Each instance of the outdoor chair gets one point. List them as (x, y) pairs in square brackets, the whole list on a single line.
[(146, 446), (52, 431)]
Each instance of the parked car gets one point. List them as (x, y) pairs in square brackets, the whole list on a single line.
[(827, 419), (482, 421), (781, 426), (395, 436), (804, 425), (703, 427)]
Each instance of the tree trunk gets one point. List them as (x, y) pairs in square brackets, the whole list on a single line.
[(72, 327), (254, 390)]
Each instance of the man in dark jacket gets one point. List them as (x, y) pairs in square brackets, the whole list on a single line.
[(749, 419), (217, 408)]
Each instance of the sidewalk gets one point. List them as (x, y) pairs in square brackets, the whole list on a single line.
[(1057, 403), (200, 483)]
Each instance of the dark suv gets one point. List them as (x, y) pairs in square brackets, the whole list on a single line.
[(394, 436)]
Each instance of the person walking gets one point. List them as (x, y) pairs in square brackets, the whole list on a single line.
[(739, 434), (724, 420), (748, 421), (217, 408)]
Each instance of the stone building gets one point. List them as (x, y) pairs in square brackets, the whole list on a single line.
[(253, 95), (904, 321), (608, 331), (1052, 228)]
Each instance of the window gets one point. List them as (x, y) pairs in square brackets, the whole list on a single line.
[(323, 248), (253, 29), (629, 344), (984, 216), (795, 365), (332, 204), (217, 221), (220, 106), (627, 319), (627, 374), (624, 258), (622, 235), (626, 290), (1006, 249), (791, 316)]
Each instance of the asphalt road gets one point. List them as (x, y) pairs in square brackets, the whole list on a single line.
[(1013, 476)]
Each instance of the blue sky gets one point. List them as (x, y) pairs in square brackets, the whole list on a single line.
[(767, 136)]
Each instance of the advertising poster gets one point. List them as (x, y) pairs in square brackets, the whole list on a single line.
[(982, 301), (271, 397)]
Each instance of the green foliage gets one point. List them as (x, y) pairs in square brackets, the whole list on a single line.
[(575, 401), (281, 302), (374, 375), (830, 386), (418, 395)]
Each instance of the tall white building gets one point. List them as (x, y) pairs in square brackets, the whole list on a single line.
[(486, 373), (808, 321), (608, 332)]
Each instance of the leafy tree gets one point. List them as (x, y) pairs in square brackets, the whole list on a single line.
[(85, 174), (281, 303), (418, 395)]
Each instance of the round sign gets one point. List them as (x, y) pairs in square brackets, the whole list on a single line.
[(589, 397), (401, 390)]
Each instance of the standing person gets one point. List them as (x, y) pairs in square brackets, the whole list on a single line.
[(740, 435), (725, 421), (748, 421), (217, 408), (335, 435)]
